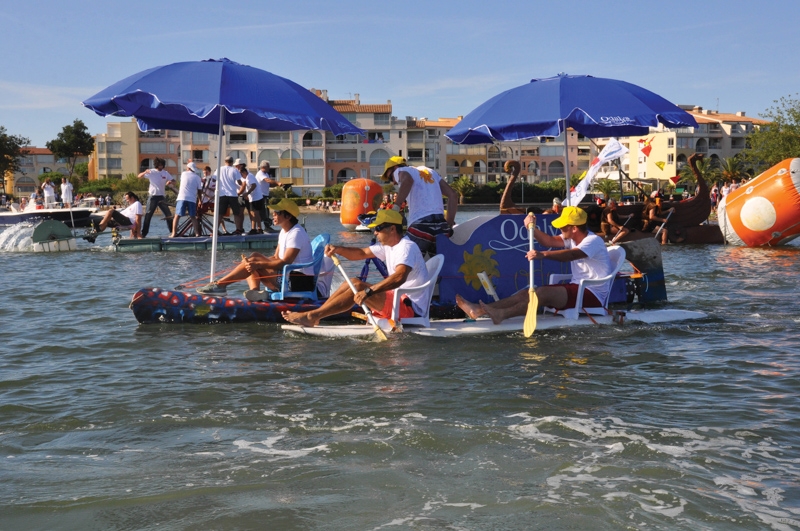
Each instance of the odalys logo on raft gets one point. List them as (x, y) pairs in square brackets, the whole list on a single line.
[(616, 120)]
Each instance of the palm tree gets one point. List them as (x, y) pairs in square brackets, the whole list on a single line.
[(730, 169), (464, 186), (606, 187), (707, 169)]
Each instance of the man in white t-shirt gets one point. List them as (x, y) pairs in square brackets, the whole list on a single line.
[(587, 254), (190, 187), (250, 190), (49, 192), (422, 188), (293, 246), (159, 180), (128, 217), (266, 181), (229, 193), (405, 265)]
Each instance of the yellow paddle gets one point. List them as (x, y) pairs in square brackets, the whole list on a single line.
[(533, 301), (371, 318)]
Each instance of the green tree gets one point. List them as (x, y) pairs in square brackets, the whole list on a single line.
[(730, 169), (606, 187), (72, 142), (12, 147), (770, 144), (707, 169), (464, 186)]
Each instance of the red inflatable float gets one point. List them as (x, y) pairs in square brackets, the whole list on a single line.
[(359, 196)]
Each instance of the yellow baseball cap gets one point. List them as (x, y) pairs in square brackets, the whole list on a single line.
[(391, 163), (387, 216), (287, 205), (570, 216)]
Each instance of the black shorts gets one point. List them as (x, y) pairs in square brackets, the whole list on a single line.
[(118, 219), (300, 282), (257, 206), (226, 202)]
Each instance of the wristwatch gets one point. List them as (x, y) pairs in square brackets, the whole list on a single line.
[(368, 292)]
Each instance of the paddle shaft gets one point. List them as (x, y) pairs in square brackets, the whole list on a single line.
[(367, 311), (529, 325), (614, 239), (662, 225)]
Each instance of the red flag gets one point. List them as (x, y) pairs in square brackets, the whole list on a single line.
[(675, 179)]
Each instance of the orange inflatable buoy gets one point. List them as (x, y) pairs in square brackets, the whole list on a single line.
[(765, 211), (359, 196)]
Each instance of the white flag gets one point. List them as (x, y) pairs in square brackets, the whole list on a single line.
[(613, 150)]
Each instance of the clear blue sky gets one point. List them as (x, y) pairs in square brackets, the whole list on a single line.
[(429, 58)]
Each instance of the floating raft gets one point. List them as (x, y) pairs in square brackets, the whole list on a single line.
[(202, 243)]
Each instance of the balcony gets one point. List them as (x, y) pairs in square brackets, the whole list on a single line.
[(312, 143), (313, 162)]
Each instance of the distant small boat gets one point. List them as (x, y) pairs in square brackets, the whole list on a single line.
[(76, 217)]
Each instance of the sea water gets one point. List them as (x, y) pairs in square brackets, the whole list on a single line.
[(108, 424)]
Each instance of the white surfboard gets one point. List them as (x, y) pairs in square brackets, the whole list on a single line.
[(466, 327)]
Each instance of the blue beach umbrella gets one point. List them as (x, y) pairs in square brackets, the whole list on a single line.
[(203, 96), (593, 106)]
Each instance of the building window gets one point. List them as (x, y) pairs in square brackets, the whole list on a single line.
[(101, 164), (114, 147), (237, 138), (670, 142), (268, 137), (199, 138), (670, 158), (350, 116), (115, 164), (314, 176), (382, 118), (151, 147)]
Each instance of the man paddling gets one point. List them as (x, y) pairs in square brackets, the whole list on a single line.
[(576, 244), (404, 263)]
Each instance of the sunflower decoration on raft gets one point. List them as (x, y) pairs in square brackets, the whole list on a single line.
[(477, 262)]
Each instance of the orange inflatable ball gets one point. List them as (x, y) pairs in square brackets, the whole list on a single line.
[(765, 211), (359, 196)]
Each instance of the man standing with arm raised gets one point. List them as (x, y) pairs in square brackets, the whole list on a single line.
[(423, 188)]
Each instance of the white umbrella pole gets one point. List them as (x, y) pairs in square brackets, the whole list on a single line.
[(216, 196), (566, 165)]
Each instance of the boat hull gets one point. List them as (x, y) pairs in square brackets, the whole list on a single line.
[(80, 216), (461, 327)]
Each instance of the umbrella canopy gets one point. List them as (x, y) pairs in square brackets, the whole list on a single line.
[(203, 96), (189, 96), (593, 106)]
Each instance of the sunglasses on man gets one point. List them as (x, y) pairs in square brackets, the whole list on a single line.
[(382, 226)]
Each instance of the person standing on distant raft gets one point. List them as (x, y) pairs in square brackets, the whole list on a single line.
[(293, 246), (266, 181), (423, 188), (186, 205), (228, 194), (588, 257), (404, 263), (159, 180)]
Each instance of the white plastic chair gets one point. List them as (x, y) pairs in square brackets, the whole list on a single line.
[(617, 255), (434, 266)]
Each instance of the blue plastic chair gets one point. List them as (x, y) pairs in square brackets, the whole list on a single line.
[(317, 253)]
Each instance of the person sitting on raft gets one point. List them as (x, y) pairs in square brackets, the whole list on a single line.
[(654, 218), (404, 263), (130, 216), (576, 244), (293, 246), (611, 222)]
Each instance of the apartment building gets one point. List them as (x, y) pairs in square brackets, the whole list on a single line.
[(36, 162), (123, 150)]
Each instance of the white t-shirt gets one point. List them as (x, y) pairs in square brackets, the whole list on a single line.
[(296, 238), (208, 195), (256, 194), (190, 185), (406, 253), (263, 181), (133, 210), (158, 181), (228, 176), (597, 263), (49, 190), (425, 197)]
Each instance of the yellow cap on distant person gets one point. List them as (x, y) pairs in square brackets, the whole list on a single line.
[(570, 216), (287, 205), (387, 216), (391, 163)]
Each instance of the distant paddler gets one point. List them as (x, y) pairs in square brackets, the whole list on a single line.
[(404, 263)]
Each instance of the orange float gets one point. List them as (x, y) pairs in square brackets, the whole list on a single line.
[(765, 211), (359, 196)]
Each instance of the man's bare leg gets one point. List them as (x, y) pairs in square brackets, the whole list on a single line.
[(340, 301), (472, 309)]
